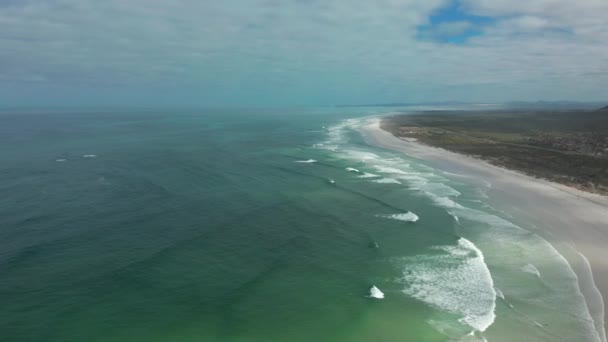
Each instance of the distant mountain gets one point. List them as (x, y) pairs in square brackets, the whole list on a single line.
[(408, 104), (553, 105)]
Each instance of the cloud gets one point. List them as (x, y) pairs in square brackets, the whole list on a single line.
[(302, 52)]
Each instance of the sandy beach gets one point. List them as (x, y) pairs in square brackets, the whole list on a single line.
[(574, 222)]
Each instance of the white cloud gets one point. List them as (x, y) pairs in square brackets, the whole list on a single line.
[(316, 51)]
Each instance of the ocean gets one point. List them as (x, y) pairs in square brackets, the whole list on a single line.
[(259, 225)]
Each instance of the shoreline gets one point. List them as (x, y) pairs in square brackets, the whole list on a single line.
[(573, 221)]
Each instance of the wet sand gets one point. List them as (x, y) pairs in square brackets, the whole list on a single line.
[(575, 222)]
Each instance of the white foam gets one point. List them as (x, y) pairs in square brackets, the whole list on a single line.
[(60, 160), (89, 156), (368, 175), (390, 170), (361, 155), (529, 268), (309, 161), (352, 169), (456, 218), (416, 176), (375, 292), (415, 181), (444, 202), (337, 134), (407, 217), (387, 181), (456, 280), (440, 189)]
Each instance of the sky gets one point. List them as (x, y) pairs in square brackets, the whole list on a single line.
[(300, 52)]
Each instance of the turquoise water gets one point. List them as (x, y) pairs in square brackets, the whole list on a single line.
[(246, 225)]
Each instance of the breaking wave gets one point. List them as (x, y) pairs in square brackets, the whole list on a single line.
[(387, 181), (455, 279), (368, 175), (375, 292), (529, 268), (407, 217)]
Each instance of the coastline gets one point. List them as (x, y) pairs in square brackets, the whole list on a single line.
[(573, 221)]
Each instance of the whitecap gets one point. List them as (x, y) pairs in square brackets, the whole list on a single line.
[(375, 292), (445, 202), (407, 217), (529, 268), (368, 175), (387, 181), (352, 169), (391, 170), (309, 161), (60, 160), (440, 189), (457, 281), (361, 155), (89, 156)]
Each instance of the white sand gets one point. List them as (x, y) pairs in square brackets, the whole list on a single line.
[(575, 222)]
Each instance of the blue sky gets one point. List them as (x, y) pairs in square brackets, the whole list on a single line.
[(300, 52)]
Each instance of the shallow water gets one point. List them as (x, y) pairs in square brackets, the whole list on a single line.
[(254, 226)]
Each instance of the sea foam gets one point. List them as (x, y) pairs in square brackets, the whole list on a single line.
[(387, 181), (309, 161), (456, 290), (456, 280), (444, 202), (391, 170), (368, 175), (407, 217), (529, 268), (375, 292)]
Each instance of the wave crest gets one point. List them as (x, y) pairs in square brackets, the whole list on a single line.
[(457, 280), (407, 217)]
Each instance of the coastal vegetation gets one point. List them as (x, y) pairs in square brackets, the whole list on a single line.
[(568, 147)]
